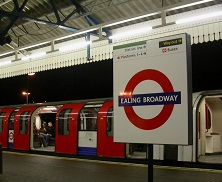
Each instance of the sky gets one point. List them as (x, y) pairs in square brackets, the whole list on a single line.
[(95, 80)]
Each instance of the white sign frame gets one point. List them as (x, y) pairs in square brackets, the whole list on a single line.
[(153, 91)]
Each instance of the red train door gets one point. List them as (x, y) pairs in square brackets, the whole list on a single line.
[(4, 115), (67, 128), (22, 128), (106, 146)]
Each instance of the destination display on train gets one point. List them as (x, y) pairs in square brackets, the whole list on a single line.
[(152, 91)]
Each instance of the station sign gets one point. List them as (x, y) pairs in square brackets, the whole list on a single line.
[(11, 136), (153, 91)]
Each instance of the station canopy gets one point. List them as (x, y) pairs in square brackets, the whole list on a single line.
[(29, 22)]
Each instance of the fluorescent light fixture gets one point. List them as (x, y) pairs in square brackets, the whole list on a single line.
[(25, 58), (49, 108), (200, 17), (109, 25), (5, 63), (10, 46), (77, 33), (131, 19), (191, 4), (33, 56), (27, 8), (37, 55), (34, 45), (75, 46), (130, 33), (6, 53)]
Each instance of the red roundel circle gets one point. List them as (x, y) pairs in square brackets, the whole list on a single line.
[(162, 117)]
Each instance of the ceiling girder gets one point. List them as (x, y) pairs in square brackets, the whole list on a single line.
[(55, 11), (17, 13), (13, 16), (89, 18)]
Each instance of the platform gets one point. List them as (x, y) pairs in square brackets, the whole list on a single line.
[(18, 167)]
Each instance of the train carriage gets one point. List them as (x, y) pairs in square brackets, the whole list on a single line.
[(85, 128)]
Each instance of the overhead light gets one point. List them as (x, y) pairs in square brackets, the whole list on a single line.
[(5, 63), (131, 19), (33, 56), (10, 46), (76, 33), (25, 58), (27, 8), (6, 53), (31, 74), (34, 45), (49, 108), (75, 46), (37, 55), (130, 33), (200, 17), (190, 4), (25, 93)]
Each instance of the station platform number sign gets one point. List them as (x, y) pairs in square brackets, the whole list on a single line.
[(153, 91)]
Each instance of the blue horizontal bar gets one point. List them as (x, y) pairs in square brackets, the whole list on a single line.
[(87, 151)]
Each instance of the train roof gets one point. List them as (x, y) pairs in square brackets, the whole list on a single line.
[(88, 101)]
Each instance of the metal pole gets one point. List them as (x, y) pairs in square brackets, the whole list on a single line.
[(150, 162), (88, 47), (27, 98), (0, 158)]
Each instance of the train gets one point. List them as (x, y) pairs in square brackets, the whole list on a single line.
[(85, 128)]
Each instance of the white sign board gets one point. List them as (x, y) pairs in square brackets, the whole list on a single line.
[(152, 91)]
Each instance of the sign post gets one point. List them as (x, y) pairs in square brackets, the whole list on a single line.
[(150, 162), (152, 93)]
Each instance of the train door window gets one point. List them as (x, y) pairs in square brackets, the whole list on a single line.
[(109, 122), (64, 119), (88, 118), (208, 118), (2, 115), (11, 120), (23, 122)]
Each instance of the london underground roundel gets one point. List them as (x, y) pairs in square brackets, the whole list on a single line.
[(168, 98)]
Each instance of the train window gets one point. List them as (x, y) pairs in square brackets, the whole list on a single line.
[(109, 122), (11, 120), (64, 119), (87, 120), (2, 115), (23, 122)]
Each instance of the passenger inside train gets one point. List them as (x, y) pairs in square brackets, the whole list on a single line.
[(44, 122), (50, 131), (42, 135), (46, 134)]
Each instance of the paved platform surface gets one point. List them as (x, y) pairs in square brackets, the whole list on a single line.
[(38, 168)]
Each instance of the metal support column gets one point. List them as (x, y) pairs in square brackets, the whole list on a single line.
[(87, 46)]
